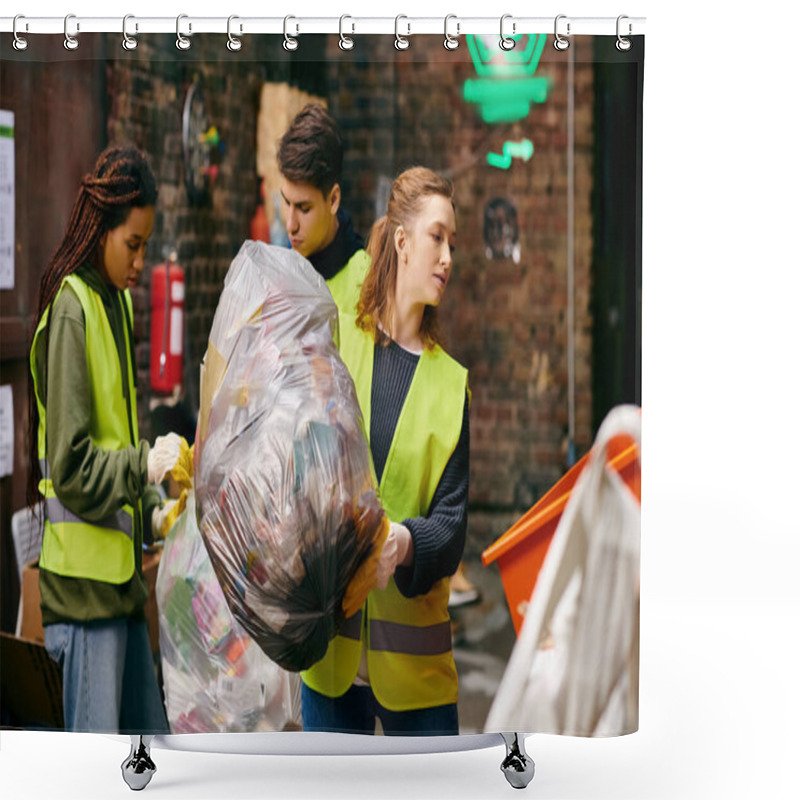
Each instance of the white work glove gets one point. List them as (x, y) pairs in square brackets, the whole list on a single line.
[(159, 515), (163, 457), (398, 550)]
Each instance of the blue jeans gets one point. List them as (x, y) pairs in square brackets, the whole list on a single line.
[(357, 709), (108, 674)]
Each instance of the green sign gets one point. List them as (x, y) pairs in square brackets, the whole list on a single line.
[(493, 62), (506, 85), (511, 150)]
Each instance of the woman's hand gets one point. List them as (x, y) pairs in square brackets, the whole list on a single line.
[(397, 551), (163, 456)]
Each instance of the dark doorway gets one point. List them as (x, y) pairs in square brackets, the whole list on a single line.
[(617, 249)]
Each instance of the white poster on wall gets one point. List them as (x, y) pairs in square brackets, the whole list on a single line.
[(6, 431), (6, 199)]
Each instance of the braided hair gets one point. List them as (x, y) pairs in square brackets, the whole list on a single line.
[(121, 180)]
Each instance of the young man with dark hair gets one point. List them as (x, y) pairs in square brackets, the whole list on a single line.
[(310, 162)]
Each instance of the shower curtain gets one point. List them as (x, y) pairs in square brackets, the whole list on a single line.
[(541, 139)]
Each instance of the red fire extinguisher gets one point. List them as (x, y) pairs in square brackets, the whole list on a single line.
[(259, 225), (167, 291)]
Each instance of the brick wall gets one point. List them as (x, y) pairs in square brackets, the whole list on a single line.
[(505, 321)]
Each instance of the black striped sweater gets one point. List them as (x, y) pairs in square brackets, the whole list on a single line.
[(438, 537)]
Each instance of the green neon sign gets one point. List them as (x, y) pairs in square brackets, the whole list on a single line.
[(506, 85), (511, 150), (505, 100), (491, 61)]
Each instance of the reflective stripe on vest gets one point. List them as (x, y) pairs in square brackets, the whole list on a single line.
[(409, 641), (394, 637), (345, 285), (73, 546), (58, 512)]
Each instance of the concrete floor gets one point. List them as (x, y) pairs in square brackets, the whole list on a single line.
[(483, 638)]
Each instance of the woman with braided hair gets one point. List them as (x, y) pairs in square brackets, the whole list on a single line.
[(86, 458)]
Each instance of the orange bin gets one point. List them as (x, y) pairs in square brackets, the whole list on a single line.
[(520, 551)]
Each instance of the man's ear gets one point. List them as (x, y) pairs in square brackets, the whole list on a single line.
[(335, 198)]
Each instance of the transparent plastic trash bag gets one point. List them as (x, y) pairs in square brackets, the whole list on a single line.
[(216, 680), (286, 495)]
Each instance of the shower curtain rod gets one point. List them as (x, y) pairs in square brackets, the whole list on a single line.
[(455, 26)]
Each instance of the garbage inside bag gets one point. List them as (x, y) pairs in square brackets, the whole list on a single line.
[(286, 495), (216, 680)]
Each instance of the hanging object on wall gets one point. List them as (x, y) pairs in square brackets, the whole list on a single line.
[(7, 192), (202, 147), (501, 230), (511, 150)]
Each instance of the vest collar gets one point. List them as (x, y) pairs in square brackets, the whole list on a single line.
[(114, 303), (91, 277)]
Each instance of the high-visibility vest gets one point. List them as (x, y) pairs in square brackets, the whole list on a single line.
[(408, 640), (345, 285), (73, 546)]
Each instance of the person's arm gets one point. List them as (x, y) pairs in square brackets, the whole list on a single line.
[(438, 539), (151, 500), (91, 481)]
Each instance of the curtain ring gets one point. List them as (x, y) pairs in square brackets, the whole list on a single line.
[(70, 42), (128, 42), (19, 42), (560, 42), (346, 42), (182, 43), (288, 42), (400, 42), (623, 44), (506, 42), (451, 42), (234, 43)]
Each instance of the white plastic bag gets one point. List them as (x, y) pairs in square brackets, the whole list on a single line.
[(574, 668), (216, 680)]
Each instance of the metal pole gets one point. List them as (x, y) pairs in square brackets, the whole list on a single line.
[(571, 252)]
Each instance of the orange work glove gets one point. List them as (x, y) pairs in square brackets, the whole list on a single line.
[(366, 577)]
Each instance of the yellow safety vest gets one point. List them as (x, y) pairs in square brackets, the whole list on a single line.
[(409, 642), (73, 546), (345, 285)]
